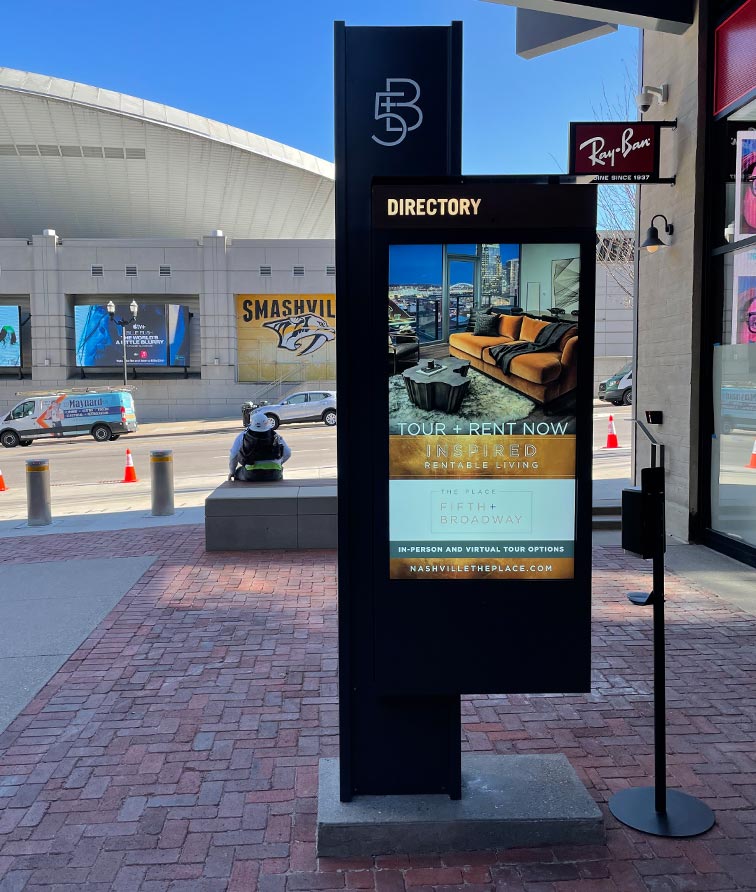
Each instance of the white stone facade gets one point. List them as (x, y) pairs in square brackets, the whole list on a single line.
[(670, 281), (48, 275)]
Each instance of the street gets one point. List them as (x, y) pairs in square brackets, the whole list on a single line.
[(86, 476), (611, 464)]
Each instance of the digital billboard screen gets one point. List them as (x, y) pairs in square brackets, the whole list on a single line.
[(482, 426), (10, 337), (99, 344)]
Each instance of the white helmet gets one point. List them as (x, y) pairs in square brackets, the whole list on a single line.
[(260, 422)]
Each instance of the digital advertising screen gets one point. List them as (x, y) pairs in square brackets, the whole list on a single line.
[(178, 335), (10, 337), (745, 185), (482, 420), (743, 310), (98, 337)]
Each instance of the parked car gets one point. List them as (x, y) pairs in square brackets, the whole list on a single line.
[(619, 388), (310, 405)]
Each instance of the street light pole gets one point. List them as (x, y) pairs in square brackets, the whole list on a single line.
[(124, 323)]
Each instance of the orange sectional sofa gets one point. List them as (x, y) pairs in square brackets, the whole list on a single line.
[(542, 376)]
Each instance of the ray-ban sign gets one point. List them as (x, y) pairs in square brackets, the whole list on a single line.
[(617, 152)]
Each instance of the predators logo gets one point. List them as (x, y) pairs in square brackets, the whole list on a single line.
[(302, 334)]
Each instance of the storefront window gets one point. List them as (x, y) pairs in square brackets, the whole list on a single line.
[(733, 478), (730, 296)]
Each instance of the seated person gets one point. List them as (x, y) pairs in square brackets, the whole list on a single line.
[(258, 453)]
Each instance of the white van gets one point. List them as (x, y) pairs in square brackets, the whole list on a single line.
[(104, 414)]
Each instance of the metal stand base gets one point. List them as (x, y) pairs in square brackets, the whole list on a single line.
[(685, 815)]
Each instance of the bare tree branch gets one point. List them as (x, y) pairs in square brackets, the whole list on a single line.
[(616, 203)]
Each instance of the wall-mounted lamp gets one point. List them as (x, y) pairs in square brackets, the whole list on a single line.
[(216, 361), (652, 242)]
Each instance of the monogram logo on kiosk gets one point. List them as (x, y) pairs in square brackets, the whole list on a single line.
[(401, 93)]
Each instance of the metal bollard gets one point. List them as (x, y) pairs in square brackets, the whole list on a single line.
[(38, 505), (161, 476)]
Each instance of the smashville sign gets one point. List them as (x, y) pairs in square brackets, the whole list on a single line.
[(286, 337)]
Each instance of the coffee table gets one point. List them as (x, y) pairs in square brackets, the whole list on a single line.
[(443, 387)]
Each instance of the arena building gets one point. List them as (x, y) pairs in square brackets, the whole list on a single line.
[(106, 197)]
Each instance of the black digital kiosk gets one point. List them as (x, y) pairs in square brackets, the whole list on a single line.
[(465, 515)]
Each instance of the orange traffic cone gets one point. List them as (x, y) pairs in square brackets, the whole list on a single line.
[(129, 474), (751, 463), (611, 437), (3, 487)]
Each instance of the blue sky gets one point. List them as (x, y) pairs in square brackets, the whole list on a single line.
[(268, 67), (423, 264)]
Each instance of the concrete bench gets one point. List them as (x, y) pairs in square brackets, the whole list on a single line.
[(291, 514)]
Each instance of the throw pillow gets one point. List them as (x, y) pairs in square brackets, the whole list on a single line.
[(487, 326), (531, 327), (510, 326)]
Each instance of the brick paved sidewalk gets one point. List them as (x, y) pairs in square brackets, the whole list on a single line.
[(177, 748)]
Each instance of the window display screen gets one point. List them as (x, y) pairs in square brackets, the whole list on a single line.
[(99, 338), (483, 352), (10, 337), (745, 185)]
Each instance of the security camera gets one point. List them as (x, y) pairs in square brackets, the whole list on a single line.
[(644, 100)]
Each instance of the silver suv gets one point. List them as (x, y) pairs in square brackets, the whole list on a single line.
[(310, 405)]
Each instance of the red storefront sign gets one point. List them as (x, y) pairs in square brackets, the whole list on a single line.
[(616, 152), (735, 59)]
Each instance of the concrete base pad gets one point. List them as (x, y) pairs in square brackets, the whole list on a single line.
[(289, 514), (507, 802)]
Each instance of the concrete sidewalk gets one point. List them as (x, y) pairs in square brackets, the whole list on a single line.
[(177, 747), (45, 614), (153, 429)]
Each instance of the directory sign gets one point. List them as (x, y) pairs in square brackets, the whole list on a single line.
[(481, 456), (10, 337)]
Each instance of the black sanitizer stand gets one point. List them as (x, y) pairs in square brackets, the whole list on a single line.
[(656, 809)]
